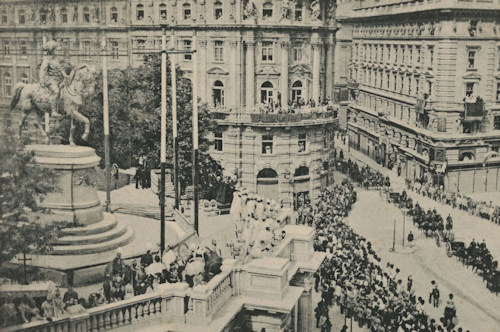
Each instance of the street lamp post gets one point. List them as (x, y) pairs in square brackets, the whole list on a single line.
[(404, 210), (393, 249), (195, 137), (105, 106), (163, 123)]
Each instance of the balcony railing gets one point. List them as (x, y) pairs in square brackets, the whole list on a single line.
[(304, 114)]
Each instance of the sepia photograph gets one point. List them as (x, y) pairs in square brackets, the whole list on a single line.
[(250, 165)]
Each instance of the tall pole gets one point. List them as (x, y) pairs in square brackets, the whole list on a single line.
[(106, 122), (174, 125), (404, 222), (163, 152), (195, 137), (47, 115), (394, 237)]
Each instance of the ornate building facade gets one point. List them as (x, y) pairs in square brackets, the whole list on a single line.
[(249, 53), (424, 82)]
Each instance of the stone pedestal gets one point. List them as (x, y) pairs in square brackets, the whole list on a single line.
[(76, 198), (75, 201)]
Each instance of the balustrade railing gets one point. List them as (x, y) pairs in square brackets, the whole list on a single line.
[(220, 294)]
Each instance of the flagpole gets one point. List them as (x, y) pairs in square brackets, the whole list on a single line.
[(174, 124), (195, 137), (46, 115), (163, 152), (106, 122)]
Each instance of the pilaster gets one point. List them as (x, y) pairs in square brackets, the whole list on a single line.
[(316, 47), (285, 45), (250, 72)]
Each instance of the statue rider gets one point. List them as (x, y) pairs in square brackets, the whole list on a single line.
[(52, 75)]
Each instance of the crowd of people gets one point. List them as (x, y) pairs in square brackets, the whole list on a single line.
[(351, 276), (365, 176), (477, 208), (258, 228), (25, 309)]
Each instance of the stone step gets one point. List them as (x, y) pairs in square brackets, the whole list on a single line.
[(108, 222), (84, 249), (108, 235)]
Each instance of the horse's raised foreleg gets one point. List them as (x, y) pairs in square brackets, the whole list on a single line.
[(81, 118), (22, 124)]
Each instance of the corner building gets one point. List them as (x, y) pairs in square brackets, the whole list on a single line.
[(249, 53), (424, 89)]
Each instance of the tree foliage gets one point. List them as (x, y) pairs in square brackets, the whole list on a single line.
[(23, 185), (134, 99)]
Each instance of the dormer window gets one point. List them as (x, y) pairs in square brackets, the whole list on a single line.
[(218, 10), (140, 12), (186, 10), (298, 12), (267, 10), (114, 15), (163, 11), (22, 17), (86, 15)]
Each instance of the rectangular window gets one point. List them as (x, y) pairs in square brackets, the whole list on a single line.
[(396, 53), (8, 84), (22, 17), (297, 53), (86, 50), (187, 47), (498, 91), (382, 53), (441, 124), (298, 13), (469, 89), (429, 88), (496, 122), (267, 144), (219, 51), (431, 56), (218, 145), (65, 46), (23, 48), (418, 55), (302, 142), (267, 51), (471, 59), (114, 49)]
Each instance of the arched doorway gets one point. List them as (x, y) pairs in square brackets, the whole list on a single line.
[(301, 186), (218, 93), (266, 92), (267, 184), (296, 91)]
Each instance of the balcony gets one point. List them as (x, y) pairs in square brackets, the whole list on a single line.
[(304, 116)]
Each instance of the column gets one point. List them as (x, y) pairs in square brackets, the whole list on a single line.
[(203, 85), (284, 72), (329, 66), (232, 74), (316, 44), (250, 73)]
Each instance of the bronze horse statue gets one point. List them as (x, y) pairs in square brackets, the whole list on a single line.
[(77, 85)]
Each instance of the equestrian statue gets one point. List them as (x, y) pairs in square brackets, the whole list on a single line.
[(56, 91)]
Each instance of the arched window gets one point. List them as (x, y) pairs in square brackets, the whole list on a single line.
[(266, 92), (24, 78), (64, 15), (217, 10), (267, 173), (86, 15), (114, 15), (267, 10), (22, 16), (5, 18), (296, 91), (466, 156), (186, 11), (301, 171), (163, 11), (139, 12), (218, 93), (7, 86)]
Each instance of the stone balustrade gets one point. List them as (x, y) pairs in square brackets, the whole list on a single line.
[(208, 298), (260, 279)]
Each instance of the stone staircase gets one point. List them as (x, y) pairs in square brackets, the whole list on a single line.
[(105, 235)]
